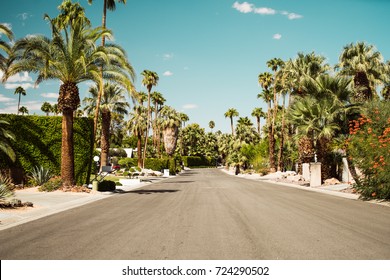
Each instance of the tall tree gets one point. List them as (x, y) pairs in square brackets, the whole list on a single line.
[(5, 46), (107, 5), (158, 101), (46, 108), (365, 64), (20, 91), (113, 101), (231, 113), (170, 123), (258, 114), (137, 125), (149, 81), (23, 110), (71, 56)]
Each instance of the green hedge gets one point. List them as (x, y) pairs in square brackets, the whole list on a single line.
[(197, 161), (156, 164), (38, 143)]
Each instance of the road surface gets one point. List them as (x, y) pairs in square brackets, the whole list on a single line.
[(206, 214)]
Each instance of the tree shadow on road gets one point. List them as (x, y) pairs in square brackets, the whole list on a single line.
[(150, 191)]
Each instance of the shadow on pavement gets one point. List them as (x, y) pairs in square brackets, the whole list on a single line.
[(149, 191)]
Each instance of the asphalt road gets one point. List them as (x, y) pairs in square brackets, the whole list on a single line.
[(206, 214)]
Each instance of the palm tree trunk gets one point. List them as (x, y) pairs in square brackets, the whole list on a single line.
[(271, 141), (18, 104), (147, 129), (67, 159), (105, 138), (280, 155), (258, 125), (139, 149), (231, 124)]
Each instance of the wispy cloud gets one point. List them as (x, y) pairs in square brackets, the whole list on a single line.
[(23, 85), (5, 99), (167, 56), (190, 106), (246, 7), (277, 36), (23, 17), (18, 78), (167, 73), (50, 95)]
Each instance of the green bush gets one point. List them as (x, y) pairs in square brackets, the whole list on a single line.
[(197, 161), (106, 185), (53, 184), (150, 163), (38, 142)]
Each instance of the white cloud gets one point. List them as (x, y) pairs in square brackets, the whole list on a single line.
[(5, 99), (18, 78), (277, 36), (23, 85), (50, 95), (243, 7), (190, 106), (265, 11), (167, 73), (167, 56), (246, 7), (294, 16)]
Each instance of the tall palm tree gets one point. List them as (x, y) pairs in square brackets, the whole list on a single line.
[(137, 125), (149, 81), (258, 114), (20, 91), (184, 118), (231, 113), (365, 64), (71, 56), (158, 101), (113, 102), (6, 136), (170, 122), (110, 5), (5, 46)]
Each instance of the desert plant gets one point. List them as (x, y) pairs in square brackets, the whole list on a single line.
[(51, 185), (40, 175), (5, 192)]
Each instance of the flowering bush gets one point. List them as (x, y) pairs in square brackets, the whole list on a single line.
[(368, 146)]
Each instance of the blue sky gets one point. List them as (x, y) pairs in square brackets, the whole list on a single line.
[(208, 53)]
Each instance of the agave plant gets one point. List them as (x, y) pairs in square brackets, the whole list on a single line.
[(5, 192), (40, 175)]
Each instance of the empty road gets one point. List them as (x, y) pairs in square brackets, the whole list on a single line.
[(206, 214)]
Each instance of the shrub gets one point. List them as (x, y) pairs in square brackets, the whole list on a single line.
[(150, 163), (368, 146), (5, 192), (106, 185), (51, 185), (198, 161), (40, 175)]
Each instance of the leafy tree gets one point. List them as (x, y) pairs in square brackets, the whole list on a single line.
[(211, 124), (46, 108), (231, 113), (23, 110), (5, 46), (20, 91), (365, 64), (149, 81), (72, 57), (113, 101)]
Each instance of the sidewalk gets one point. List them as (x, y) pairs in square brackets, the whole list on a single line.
[(48, 203)]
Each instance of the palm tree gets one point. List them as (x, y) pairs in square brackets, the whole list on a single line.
[(113, 102), (184, 118), (211, 125), (365, 64), (72, 57), (137, 125), (231, 113), (170, 122), (23, 110), (46, 108), (5, 137), (150, 79), (20, 91), (4, 29), (158, 100), (258, 113), (110, 5)]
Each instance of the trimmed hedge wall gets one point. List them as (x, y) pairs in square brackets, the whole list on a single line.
[(195, 161), (155, 164), (38, 142)]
